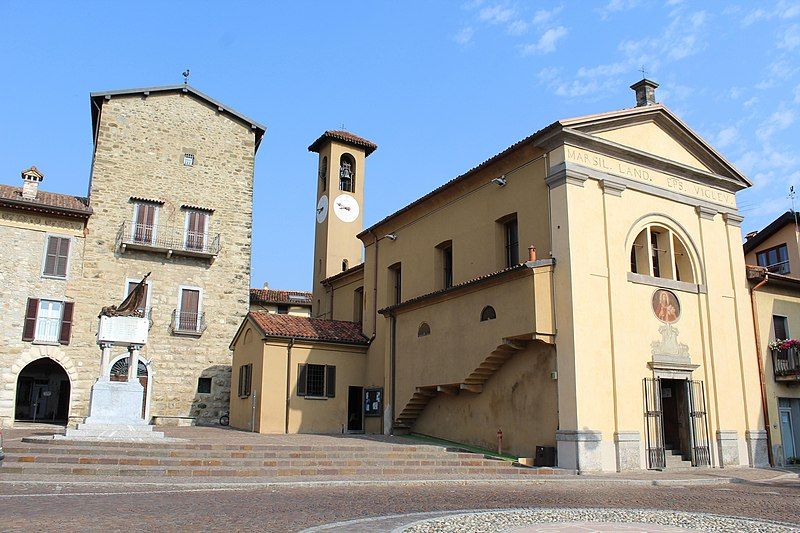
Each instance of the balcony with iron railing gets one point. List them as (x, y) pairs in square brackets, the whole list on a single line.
[(167, 240), (781, 267), (786, 360), (185, 323)]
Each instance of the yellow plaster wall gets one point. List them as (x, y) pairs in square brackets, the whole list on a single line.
[(343, 297), (649, 137), (520, 399), (249, 352)]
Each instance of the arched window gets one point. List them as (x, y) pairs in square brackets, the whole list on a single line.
[(347, 173), (323, 172), (344, 265), (424, 330), (658, 252), (488, 313)]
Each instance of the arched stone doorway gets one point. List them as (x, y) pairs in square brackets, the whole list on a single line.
[(43, 390), (119, 372)]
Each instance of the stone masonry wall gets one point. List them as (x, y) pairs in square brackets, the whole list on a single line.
[(23, 237), (139, 152)]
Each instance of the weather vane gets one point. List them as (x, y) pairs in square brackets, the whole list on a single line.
[(642, 70), (186, 77)]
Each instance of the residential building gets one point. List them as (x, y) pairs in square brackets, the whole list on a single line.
[(582, 290), (773, 271), (170, 194), (297, 303)]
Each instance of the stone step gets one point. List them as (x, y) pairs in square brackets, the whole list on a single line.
[(207, 471), (242, 463)]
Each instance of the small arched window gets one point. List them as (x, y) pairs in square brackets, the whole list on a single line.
[(488, 313), (658, 252), (344, 264), (247, 336), (347, 173), (424, 330), (323, 173)]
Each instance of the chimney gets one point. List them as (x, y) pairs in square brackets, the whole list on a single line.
[(266, 285), (645, 92), (30, 182)]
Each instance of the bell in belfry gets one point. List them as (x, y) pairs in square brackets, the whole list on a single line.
[(344, 170)]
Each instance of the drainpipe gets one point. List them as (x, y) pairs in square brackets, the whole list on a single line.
[(288, 385), (761, 379), (374, 287), (392, 360)]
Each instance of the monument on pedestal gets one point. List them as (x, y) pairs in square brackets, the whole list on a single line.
[(115, 407)]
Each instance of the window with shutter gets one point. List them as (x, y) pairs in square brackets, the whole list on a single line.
[(66, 323), (196, 230), (301, 380), (31, 312), (189, 310), (48, 321), (56, 257), (144, 219), (245, 380), (330, 381)]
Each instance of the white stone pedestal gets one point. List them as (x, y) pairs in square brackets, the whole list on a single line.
[(115, 413)]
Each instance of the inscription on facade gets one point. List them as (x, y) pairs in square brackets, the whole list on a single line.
[(638, 173)]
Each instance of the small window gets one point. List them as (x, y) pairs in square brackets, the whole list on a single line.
[(245, 380), (424, 330), (488, 313), (283, 309), (345, 265), (48, 321), (203, 385), (780, 327), (56, 257), (358, 305), (511, 242), (323, 173), (447, 265), (775, 259), (188, 159), (396, 281), (316, 381)]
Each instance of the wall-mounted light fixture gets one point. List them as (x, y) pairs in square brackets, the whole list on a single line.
[(501, 181), (391, 237)]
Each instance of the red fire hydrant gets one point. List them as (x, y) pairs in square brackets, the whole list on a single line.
[(499, 441)]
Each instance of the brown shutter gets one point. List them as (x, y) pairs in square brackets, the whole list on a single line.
[(330, 381), (241, 381), (62, 255), (190, 302), (32, 310), (66, 323), (51, 256), (248, 380), (301, 380)]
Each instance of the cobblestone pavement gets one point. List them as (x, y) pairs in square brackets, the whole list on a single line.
[(93, 507)]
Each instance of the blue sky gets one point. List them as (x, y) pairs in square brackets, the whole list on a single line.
[(439, 86)]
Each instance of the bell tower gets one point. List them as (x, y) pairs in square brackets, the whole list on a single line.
[(339, 208)]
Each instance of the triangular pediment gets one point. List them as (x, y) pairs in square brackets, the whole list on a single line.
[(656, 131)]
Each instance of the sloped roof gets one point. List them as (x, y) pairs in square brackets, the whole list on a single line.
[(98, 97), (45, 202), (345, 137), (275, 296), (305, 328), (342, 274), (756, 240)]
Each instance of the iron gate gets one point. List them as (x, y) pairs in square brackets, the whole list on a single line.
[(701, 449), (654, 424)]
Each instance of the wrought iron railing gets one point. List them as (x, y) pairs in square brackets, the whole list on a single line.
[(779, 268), (171, 239), (786, 363), (188, 323)]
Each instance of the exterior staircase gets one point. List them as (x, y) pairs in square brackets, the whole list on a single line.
[(675, 460), (197, 462), (472, 383)]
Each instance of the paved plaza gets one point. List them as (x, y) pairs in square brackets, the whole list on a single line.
[(389, 503)]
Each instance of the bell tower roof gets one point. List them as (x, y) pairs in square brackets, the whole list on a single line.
[(344, 137)]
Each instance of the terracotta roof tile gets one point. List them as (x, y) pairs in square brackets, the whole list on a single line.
[(345, 137), (273, 296), (301, 327), (49, 202)]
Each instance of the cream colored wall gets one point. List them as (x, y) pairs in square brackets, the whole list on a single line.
[(294, 310), (249, 349), (774, 300), (343, 297), (786, 235), (649, 137), (606, 325), (520, 399)]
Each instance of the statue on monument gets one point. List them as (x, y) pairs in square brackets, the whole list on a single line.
[(132, 305)]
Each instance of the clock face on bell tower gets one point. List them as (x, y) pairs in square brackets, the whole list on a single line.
[(340, 190)]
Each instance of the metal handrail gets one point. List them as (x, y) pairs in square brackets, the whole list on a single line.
[(786, 362), (168, 238), (781, 267), (185, 322)]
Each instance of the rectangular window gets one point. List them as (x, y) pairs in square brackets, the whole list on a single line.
[(781, 327), (196, 235), (56, 257), (358, 305), (512, 242), (447, 266), (316, 381), (283, 309), (130, 285), (775, 259), (396, 280), (203, 385), (48, 321), (245, 380), (188, 159), (189, 310), (144, 222)]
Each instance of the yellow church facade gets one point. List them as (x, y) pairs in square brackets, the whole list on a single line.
[(584, 290)]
